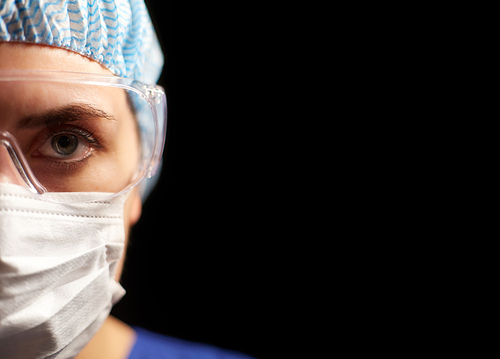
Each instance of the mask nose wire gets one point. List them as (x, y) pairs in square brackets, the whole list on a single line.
[(14, 150)]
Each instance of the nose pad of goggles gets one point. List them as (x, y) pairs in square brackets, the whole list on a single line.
[(14, 168)]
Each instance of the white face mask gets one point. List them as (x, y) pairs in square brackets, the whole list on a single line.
[(57, 267)]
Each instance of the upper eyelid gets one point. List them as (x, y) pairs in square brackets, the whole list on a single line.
[(91, 143), (95, 141), (89, 136)]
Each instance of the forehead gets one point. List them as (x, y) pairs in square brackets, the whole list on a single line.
[(42, 57), (25, 98), (19, 99)]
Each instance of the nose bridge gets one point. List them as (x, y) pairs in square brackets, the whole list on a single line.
[(14, 168)]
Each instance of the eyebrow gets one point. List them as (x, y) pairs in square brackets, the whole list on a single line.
[(59, 116)]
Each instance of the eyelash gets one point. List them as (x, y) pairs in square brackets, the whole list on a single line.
[(87, 135)]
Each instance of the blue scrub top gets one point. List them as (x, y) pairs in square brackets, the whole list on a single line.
[(151, 345)]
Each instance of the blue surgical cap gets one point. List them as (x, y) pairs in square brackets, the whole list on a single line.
[(116, 33)]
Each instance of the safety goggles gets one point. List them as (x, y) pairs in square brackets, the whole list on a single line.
[(78, 132)]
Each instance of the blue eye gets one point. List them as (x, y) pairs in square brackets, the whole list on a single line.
[(69, 145)]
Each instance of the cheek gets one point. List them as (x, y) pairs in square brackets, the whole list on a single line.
[(126, 151), (132, 213)]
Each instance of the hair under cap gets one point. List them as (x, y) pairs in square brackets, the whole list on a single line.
[(116, 33)]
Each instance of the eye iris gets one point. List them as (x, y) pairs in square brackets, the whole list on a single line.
[(64, 144)]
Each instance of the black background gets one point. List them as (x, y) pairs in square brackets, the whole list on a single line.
[(200, 262)]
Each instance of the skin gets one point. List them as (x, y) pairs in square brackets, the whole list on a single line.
[(115, 339)]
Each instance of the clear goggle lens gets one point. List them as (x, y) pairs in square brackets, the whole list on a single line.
[(71, 132)]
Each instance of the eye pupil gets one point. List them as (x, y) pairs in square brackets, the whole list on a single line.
[(64, 141), (64, 144)]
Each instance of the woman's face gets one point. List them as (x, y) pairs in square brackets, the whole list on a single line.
[(101, 153)]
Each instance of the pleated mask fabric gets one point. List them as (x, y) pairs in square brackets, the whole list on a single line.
[(57, 270)]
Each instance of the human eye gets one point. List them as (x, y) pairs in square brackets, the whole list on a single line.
[(67, 144)]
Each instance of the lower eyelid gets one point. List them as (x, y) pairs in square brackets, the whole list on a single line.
[(46, 163), (68, 165)]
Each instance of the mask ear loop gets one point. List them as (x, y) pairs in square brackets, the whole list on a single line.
[(20, 162)]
